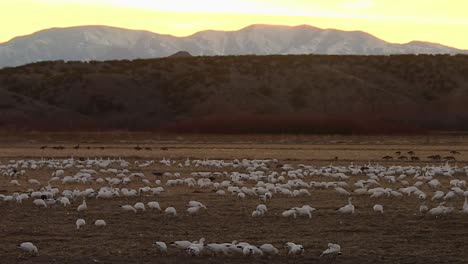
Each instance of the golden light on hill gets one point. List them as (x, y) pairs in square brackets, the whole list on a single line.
[(392, 20)]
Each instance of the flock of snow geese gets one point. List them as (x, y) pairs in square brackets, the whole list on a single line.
[(437, 184), (196, 248)]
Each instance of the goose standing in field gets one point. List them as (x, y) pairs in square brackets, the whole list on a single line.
[(440, 210), (423, 208), (465, 206), (257, 213), (128, 208), (290, 213), (170, 211), (28, 247), (181, 244), (216, 249), (378, 208), (296, 250), (194, 210), (193, 251), (200, 244), (332, 251), (79, 223), (15, 182), (247, 250), (161, 247), (82, 207), (438, 195), (347, 209), (40, 203), (154, 206), (305, 210), (100, 223), (195, 204), (288, 246), (262, 208), (342, 191), (269, 250), (194, 207), (139, 206), (64, 201)]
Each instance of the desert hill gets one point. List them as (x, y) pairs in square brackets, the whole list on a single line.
[(272, 94)]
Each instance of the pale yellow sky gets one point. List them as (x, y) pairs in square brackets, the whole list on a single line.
[(442, 21)]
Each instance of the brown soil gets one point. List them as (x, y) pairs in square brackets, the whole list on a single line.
[(400, 235)]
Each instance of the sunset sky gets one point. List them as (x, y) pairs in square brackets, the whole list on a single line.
[(442, 21)]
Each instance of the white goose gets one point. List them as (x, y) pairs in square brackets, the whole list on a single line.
[(332, 251), (465, 206), (347, 209)]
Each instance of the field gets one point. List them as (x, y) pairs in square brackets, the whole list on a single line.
[(402, 234)]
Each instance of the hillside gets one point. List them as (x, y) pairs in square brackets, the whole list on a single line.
[(240, 94), (102, 43)]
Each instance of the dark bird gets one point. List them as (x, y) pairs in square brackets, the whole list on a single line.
[(434, 157), (449, 158), (454, 152)]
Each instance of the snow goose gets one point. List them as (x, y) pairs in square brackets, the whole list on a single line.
[(100, 223), (181, 244), (154, 205), (40, 203), (296, 250), (170, 211), (465, 206), (139, 206), (332, 251), (378, 208), (82, 207), (79, 223), (128, 208), (216, 249), (28, 247), (347, 209), (269, 250), (161, 247)]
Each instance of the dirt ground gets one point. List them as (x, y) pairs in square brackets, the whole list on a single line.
[(400, 235)]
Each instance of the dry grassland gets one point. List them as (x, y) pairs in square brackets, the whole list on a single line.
[(400, 235)]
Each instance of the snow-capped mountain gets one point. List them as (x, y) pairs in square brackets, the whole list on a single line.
[(109, 43)]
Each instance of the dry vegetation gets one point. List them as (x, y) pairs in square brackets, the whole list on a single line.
[(401, 235), (240, 94)]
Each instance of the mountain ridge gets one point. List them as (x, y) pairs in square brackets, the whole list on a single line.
[(95, 42)]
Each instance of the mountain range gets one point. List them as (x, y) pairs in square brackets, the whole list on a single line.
[(86, 43)]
